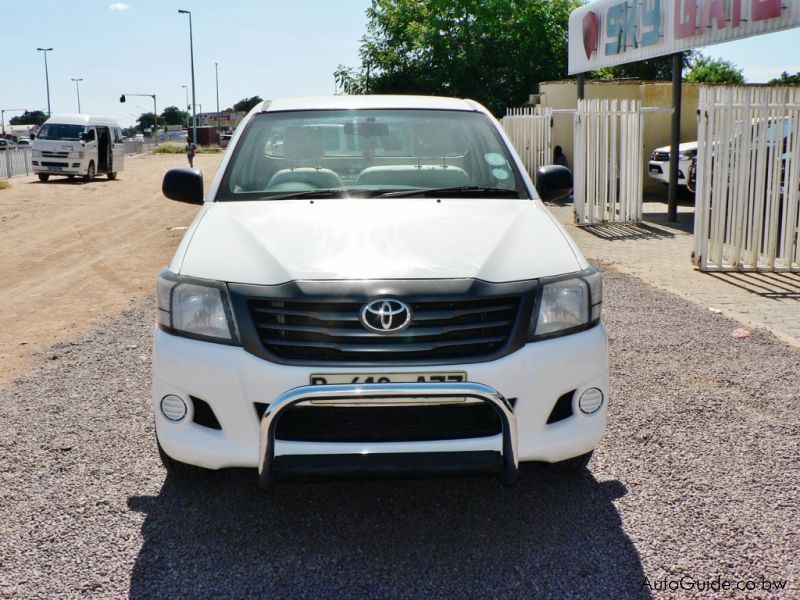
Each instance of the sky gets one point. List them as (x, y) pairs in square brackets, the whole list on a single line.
[(270, 48)]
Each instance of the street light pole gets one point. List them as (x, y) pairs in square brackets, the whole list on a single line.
[(155, 110), (77, 89), (191, 56), (46, 76), (216, 77), (188, 108)]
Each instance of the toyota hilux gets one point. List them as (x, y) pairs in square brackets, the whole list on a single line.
[(373, 286)]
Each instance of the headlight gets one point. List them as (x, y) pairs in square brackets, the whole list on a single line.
[(78, 155), (567, 304), (688, 155), (195, 308)]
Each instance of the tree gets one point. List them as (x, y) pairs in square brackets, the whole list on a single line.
[(495, 51), (246, 104), (654, 69), (705, 69), (33, 117), (786, 79), (146, 121), (172, 115)]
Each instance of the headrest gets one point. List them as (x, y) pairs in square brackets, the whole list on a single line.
[(303, 143), (433, 140)]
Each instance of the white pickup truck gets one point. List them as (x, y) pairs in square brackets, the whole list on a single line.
[(373, 287)]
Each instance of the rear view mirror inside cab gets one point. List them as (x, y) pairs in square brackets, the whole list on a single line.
[(366, 128)]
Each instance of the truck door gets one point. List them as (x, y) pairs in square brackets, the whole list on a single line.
[(118, 151)]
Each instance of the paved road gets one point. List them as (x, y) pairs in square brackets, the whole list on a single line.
[(697, 477)]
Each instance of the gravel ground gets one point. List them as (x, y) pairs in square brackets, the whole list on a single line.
[(698, 477)]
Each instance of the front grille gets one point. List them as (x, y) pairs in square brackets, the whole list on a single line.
[(661, 156), (53, 154), (387, 423), (54, 164), (332, 331)]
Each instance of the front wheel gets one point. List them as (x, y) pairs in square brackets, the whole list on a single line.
[(176, 468), (571, 465), (89, 172), (112, 176), (43, 177)]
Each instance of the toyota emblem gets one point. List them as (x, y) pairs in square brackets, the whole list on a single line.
[(386, 315)]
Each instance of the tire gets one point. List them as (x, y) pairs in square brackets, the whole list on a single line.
[(43, 177), (90, 173), (178, 469), (71, 177), (112, 176), (571, 465)]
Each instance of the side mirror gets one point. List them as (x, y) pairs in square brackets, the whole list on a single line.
[(33, 136), (553, 182), (184, 185)]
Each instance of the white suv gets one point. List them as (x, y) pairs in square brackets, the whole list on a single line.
[(658, 167), (372, 286)]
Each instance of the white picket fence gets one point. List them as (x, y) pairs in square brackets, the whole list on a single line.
[(748, 179), (15, 162), (608, 162), (530, 131)]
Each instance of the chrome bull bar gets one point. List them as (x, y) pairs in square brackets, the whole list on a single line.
[(380, 392)]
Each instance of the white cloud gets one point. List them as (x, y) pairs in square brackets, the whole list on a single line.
[(119, 6)]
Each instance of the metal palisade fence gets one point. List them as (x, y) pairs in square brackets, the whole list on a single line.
[(530, 131), (608, 162), (748, 179), (15, 162)]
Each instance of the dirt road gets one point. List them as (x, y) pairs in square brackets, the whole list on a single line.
[(73, 253)]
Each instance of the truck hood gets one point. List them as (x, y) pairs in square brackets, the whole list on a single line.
[(272, 242), (684, 147)]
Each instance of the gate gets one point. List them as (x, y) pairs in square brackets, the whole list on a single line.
[(530, 131), (748, 178), (608, 162)]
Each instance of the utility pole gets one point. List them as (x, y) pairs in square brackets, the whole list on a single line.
[(216, 76), (77, 89), (191, 56), (46, 76)]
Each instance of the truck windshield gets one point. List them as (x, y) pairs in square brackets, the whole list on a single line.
[(370, 153), (56, 131)]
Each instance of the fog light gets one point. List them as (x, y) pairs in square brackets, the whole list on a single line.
[(591, 400), (173, 407)]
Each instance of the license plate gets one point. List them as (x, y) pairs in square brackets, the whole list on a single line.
[(54, 168), (434, 377)]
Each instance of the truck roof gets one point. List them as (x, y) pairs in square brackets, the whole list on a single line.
[(76, 119), (366, 102)]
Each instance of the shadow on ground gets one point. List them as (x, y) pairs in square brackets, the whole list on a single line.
[(777, 286), (76, 180), (627, 231), (546, 537)]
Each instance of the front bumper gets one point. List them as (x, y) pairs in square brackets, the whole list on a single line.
[(659, 170), (231, 381), (388, 392)]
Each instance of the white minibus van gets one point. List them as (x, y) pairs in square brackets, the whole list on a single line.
[(78, 145)]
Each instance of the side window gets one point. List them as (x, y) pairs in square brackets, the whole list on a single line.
[(90, 135), (118, 135)]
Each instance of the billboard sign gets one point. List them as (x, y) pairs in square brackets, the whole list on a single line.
[(613, 32)]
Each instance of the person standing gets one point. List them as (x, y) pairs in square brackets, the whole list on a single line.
[(559, 158), (190, 151)]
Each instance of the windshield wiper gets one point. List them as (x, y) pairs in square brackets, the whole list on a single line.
[(468, 190), (332, 193)]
